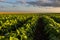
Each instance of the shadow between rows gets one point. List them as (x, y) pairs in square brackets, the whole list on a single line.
[(39, 32)]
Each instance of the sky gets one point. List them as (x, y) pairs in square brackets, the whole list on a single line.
[(30, 5)]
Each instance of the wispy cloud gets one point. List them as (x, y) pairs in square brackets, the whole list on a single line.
[(53, 3), (2, 0), (21, 1), (33, 5)]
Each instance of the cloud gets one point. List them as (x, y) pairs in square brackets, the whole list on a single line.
[(2, 0), (21, 1), (16, 2), (50, 3), (53, 3)]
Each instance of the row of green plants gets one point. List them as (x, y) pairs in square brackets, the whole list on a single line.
[(17, 27), (52, 27), (23, 27)]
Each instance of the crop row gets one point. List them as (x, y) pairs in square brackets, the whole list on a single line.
[(17, 27)]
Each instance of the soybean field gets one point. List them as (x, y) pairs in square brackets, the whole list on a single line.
[(29, 26)]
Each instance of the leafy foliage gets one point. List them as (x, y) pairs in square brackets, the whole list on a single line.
[(17, 27), (23, 27), (52, 28)]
